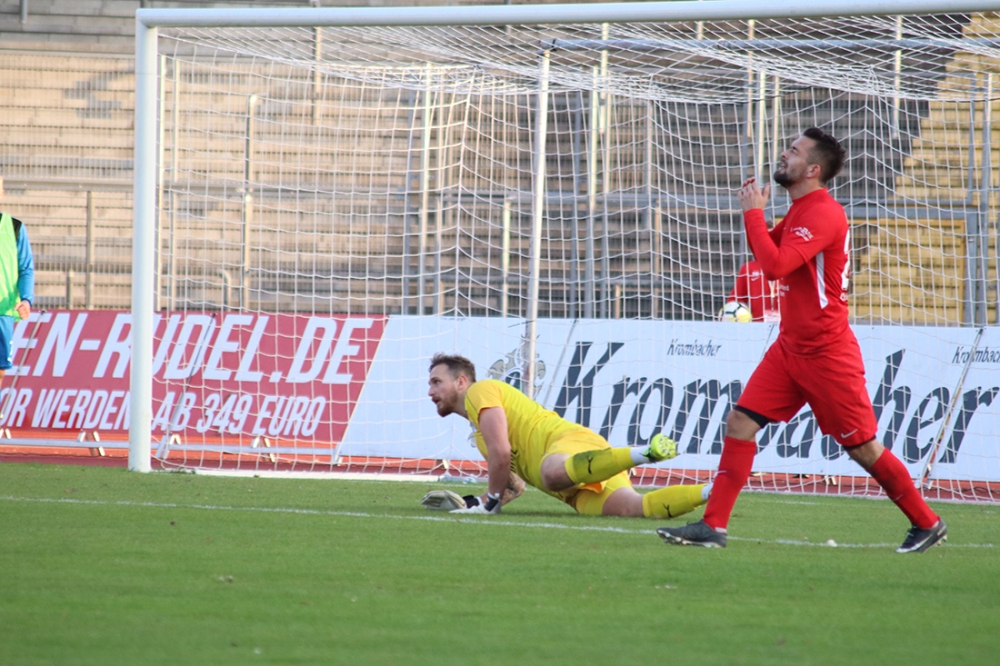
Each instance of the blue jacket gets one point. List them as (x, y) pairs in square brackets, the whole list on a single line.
[(25, 263), (25, 267)]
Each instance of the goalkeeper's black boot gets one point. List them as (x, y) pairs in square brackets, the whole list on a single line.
[(918, 540), (693, 534)]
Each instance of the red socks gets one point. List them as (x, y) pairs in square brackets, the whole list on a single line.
[(734, 470), (892, 475), (737, 461)]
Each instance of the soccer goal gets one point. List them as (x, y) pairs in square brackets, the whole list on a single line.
[(327, 197)]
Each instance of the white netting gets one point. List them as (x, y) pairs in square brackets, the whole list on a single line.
[(699, 62), (377, 172)]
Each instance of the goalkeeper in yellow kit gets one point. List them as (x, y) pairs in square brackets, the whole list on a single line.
[(520, 439)]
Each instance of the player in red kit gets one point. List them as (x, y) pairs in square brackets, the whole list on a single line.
[(816, 358), (756, 292)]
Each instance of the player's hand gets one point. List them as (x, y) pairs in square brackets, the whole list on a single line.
[(490, 504), (23, 309), (751, 196), (514, 489)]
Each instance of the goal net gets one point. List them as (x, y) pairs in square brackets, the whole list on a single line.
[(555, 200)]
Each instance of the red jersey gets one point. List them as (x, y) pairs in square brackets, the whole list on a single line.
[(754, 290), (808, 253)]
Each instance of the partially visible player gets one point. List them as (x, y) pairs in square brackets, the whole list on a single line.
[(756, 292), (520, 439), (17, 282), (816, 358)]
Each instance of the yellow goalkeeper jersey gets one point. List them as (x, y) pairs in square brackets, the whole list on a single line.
[(530, 427)]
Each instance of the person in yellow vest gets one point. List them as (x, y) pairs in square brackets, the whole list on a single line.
[(17, 282), (523, 442)]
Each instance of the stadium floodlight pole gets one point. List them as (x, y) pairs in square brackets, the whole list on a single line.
[(538, 215)]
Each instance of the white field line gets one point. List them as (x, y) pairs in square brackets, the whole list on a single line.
[(438, 519)]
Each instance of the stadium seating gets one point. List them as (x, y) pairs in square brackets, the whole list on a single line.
[(66, 117)]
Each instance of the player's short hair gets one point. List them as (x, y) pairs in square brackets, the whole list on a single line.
[(457, 365), (827, 153)]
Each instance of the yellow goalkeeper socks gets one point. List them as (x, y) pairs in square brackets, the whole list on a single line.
[(673, 501), (598, 465)]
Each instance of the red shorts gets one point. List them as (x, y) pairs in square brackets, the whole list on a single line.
[(832, 382)]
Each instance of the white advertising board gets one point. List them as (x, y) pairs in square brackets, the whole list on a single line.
[(394, 417), (628, 380)]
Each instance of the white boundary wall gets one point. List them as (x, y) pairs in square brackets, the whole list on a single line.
[(679, 384)]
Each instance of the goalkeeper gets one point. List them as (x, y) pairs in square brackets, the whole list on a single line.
[(520, 439)]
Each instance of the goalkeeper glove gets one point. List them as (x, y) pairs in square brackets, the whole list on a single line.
[(446, 500), (443, 500), (491, 506)]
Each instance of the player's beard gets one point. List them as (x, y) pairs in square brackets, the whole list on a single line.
[(444, 409), (781, 177)]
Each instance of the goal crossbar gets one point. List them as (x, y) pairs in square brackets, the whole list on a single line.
[(625, 12)]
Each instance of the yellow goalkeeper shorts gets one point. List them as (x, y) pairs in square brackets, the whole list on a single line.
[(589, 499)]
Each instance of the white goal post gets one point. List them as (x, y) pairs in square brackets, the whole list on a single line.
[(325, 197)]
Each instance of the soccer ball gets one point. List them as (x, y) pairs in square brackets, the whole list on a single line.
[(735, 311)]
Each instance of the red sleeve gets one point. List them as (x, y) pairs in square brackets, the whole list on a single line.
[(775, 233), (797, 247)]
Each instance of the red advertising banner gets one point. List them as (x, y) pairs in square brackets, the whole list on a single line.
[(215, 375)]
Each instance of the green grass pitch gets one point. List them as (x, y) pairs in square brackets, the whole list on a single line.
[(102, 566)]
